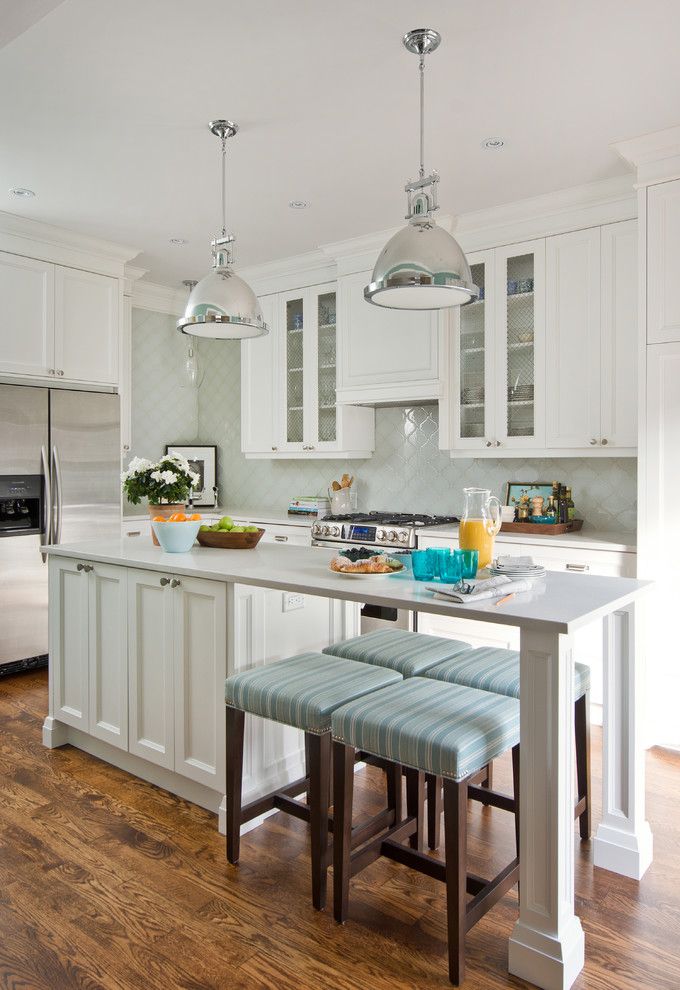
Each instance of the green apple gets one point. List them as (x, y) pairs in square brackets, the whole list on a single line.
[(237, 529), (226, 522), (251, 529), (204, 529)]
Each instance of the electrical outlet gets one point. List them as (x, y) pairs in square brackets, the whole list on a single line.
[(291, 601)]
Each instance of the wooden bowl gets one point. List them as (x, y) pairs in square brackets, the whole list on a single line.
[(224, 540)]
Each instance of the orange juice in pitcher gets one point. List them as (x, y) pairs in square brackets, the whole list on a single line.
[(480, 522)]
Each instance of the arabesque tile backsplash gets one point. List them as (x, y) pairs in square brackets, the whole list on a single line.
[(408, 472)]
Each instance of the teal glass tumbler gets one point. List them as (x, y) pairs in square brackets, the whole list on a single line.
[(452, 567), (470, 562), (422, 564), (438, 557)]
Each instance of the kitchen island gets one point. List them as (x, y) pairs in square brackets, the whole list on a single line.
[(141, 641)]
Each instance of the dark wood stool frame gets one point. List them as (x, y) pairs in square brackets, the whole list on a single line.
[(315, 810), (462, 915), (582, 808)]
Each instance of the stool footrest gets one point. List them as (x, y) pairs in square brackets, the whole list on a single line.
[(367, 854), (491, 893), (268, 801), (493, 798)]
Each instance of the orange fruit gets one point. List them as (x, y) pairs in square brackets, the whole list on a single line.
[(195, 517), (177, 517), (158, 519)]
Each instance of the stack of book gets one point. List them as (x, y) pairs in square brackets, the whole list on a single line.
[(310, 505)]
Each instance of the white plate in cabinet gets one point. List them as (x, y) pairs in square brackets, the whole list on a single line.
[(386, 355)]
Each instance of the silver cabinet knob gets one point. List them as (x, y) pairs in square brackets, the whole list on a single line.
[(164, 582), (593, 442), (489, 444), (80, 567), (60, 373), (86, 568), (497, 443), (275, 448), (50, 371), (175, 583), (604, 441), (126, 447)]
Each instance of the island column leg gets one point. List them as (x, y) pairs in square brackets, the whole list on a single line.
[(547, 945), (623, 843)]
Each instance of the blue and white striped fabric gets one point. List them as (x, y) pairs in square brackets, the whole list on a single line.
[(497, 670), (304, 690), (445, 729), (410, 653)]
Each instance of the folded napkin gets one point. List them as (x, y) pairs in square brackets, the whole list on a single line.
[(497, 587), (509, 563)]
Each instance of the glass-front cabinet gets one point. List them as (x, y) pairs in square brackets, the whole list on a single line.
[(499, 352)]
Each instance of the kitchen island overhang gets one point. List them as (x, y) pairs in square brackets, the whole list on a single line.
[(547, 945)]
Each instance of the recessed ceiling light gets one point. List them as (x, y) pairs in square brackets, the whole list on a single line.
[(178, 241), (493, 143), (298, 204), (22, 193)]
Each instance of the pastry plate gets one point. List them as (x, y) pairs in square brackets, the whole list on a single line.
[(366, 577)]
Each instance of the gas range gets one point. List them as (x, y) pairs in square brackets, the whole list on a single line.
[(380, 529)]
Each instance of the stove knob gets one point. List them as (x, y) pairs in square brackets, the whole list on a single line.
[(335, 531), (380, 534), (326, 530), (391, 535), (403, 536)]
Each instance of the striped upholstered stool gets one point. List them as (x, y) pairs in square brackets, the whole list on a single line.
[(303, 692), (497, 670), (445, 730), (410, 653)]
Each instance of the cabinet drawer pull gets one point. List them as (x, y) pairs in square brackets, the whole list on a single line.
[(164, 582), (489, 444), (281, 539), (80, 567), (60, 373), (577, 567), (593, 442), (175, 583), (604, 441), (134, 532)]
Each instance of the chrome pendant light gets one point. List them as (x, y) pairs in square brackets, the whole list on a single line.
[(422, 266), (222, 306)]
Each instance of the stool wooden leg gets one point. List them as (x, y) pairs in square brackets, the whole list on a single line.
[(308, 796), (415, 805), (487, 783), (455, 839), (395, 794), (434, 809), (319, 784), (235, 720), (515, 792), (582, 735), (343, 786)]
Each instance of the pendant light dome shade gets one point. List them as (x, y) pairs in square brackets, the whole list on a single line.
[(421, 267), (223, 307)]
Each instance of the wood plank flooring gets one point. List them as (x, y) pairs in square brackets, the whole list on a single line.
[(108, 882)]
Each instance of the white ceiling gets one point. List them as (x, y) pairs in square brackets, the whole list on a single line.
[(103, 112)]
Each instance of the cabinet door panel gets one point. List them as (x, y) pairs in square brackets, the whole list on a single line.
[(200, 640), (473, 393), (619, 334), (68, 638), (86, 326), (108, 654), (150, 660), (27, 293), (663, 246), (573, 327), (259, 385)]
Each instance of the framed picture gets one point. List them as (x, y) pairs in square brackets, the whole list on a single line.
[(202, 460), (515, 489)]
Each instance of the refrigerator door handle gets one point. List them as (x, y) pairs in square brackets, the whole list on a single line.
[(46, 532), (56, 473)]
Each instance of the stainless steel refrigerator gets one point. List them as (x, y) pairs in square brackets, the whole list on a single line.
[(59, 483)]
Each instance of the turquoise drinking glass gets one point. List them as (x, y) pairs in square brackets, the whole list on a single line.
[(438, 557), (421, 562), (452, 567), (470, 562)]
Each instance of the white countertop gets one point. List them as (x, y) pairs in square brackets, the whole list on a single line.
[(559, 603), (586, 539)]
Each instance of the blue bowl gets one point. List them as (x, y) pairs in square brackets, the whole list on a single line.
[(176, 537)]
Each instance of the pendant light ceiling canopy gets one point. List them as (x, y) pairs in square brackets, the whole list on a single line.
[(222, 306), (422, 266)]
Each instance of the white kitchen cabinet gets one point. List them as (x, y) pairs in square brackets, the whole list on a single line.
[(62, 323), (288, 403), (199, 636), (86, 327), (619, 335), (151, 667), (663, 251), (573, 365), (27, 293), (108, 653), (68, 641), (386, 355)]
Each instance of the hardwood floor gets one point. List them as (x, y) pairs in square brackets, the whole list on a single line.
[(108, 882)]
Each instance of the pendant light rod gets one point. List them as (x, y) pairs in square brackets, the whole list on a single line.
[(421, 66), (420, 42), (224, 186)]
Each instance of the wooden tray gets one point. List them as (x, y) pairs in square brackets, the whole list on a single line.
[(542, 529), (230, 541)]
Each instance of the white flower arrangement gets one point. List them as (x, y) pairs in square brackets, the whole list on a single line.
[(168, 480)]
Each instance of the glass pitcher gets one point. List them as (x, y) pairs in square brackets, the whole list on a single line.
[(480, 522)]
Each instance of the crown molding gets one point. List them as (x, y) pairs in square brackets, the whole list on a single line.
[(45, 242), (158, 298), (132, 274), (656, 155)]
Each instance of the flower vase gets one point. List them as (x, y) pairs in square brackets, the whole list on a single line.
[(166, 511)]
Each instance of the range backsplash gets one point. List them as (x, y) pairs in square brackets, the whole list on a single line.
[(408, 472)]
